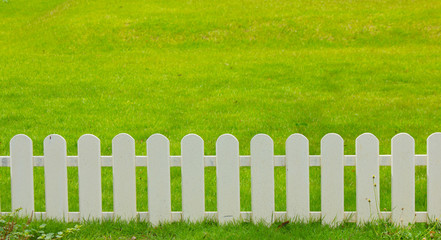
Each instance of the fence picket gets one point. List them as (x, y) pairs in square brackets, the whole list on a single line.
[(227, 177), (403, 179), (158, 179), (332, 179), (262, 178), (297, 177), (22, 176), (192, 168), (55, 177), (124, 178), (367, 178), (89, 177), (434, 176)]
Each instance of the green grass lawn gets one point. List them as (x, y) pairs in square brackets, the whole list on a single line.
[(211, 67), (243, 230)]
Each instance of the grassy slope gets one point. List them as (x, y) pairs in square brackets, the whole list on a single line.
[(242, 67)]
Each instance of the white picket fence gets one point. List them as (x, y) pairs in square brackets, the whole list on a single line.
[(227, 162)]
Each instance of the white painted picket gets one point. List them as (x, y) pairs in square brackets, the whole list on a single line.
[(89, 177), (55, 177), (434, 176), (22, 175), (262, 178), (297, 177), (124, 178), (332, 179), (193, 188), (227, 161), (368, 178), (403, 179), (227, 178), (158, 179)]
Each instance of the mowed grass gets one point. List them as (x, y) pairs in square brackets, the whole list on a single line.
[(211, 67), (241, 230)]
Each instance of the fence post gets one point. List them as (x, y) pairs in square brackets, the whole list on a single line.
[(124, 178), (297, 177), (227, 177), (332, 179), (403, 179), (262, 178), (55, 177), (89, 177), (367, 178), (22, 175), (192, 171), (158, 179)]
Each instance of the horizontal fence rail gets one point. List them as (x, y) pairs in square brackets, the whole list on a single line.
[(227, 161), (210, 161), (176, 216)]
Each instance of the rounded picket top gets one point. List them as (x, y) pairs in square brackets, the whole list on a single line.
[(158, 141), (89, 147), (367, 142), (157, 138), (367, 147), (367, 138), (123, 138), (54, 142), (261, 139), (297, 149), (122, 144), (331, 137), (89, 143), (192, 149), (433, 143), (226, 138), (297, 138), (20, 139), (262, 149), (88, 139), (192, 138), (54, 138), (158, 147), (403, 139), (227, 145), (435, 137)]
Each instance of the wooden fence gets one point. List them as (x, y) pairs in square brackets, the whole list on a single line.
[(227, 162)]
